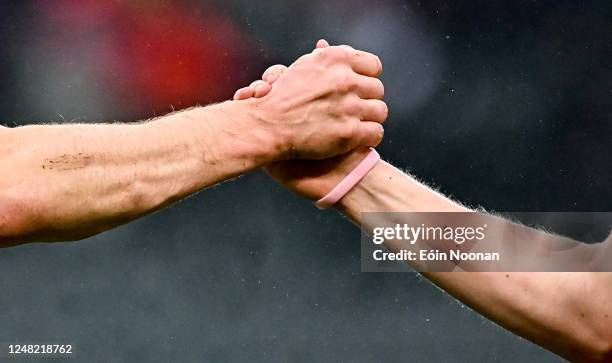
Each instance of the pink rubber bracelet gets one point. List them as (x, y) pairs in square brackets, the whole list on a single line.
[(349, 181)]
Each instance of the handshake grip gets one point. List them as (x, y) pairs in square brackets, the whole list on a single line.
[(345, 81), (326, 103)]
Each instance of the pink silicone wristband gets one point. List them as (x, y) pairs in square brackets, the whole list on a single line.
[(349, 181)]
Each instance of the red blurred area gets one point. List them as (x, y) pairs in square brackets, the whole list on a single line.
[(158, 55)]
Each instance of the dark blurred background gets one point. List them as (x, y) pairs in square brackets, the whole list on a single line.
[(500, 104)]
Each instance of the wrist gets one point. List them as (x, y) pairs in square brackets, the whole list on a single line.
[(252, 137), (350, 180), (330, 172), (388, 189), (271, 135), (362, 197)]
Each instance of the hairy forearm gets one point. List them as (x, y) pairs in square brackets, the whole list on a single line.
[(70, 181), (568, 313), (388, 189)]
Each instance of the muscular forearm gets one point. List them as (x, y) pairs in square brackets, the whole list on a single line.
[(70, 181), (568, 313)]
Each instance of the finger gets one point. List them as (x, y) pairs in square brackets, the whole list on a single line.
[(322, 43), (243, 93), (365, 63), (260, 88), (369, 133), (273, 73), (369, 87), (374, 110)]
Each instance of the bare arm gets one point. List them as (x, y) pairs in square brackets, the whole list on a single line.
[(62, 182), (70, 181), (567, 313)]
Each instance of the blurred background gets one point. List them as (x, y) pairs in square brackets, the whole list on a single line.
[(501, 104)]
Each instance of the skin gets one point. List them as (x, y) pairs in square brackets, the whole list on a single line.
[(568, 313), (67, 182)]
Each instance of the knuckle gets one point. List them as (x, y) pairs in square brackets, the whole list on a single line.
[(304, 59), (349, 130), (346, 135), (335, 53), (325, 54), (350, 106), (345, 82), (353, 104)]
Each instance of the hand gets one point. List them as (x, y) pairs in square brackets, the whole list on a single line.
[(326, 103), (311, 179)]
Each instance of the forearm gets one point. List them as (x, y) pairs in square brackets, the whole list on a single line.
[(70, 181), (564, 312), (388, 189)]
